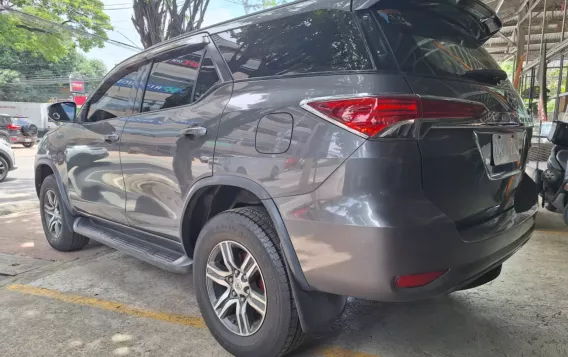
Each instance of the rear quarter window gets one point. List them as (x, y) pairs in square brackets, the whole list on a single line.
[(317, 41)]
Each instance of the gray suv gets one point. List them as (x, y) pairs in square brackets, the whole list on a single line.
[(300, 155)]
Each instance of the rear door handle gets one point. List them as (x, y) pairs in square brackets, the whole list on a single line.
[(111, 138), (195, 131)]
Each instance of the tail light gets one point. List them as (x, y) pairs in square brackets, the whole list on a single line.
[(371, 115), (14, 127)]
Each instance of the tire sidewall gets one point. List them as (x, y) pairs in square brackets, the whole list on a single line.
[(51, 184), (271, 336), (7, 169)]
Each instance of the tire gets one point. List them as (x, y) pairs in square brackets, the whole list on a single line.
[(279, 332), (63, 239), (29, 145), (4, 168)]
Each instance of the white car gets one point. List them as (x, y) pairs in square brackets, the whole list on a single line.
[(7, 160)]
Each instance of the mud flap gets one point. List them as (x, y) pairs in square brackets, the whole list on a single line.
[(316, 310), (526, 195)]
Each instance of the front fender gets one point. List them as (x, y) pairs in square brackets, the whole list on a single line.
[(45, 161)]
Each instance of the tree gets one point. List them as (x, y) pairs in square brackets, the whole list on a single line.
[(32, 78), (251, 5), (52, 28), (159, 20)]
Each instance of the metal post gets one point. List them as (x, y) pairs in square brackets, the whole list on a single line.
[(559, 89), (529, 34)]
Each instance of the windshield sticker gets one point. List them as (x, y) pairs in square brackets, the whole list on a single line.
[(394, 17)]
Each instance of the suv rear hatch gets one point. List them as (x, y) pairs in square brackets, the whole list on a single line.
[(471, 167)]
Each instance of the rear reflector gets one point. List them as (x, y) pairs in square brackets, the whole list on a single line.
[(371, 115), (417, 280)]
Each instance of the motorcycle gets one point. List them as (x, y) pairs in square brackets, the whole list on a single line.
[(552, 183)]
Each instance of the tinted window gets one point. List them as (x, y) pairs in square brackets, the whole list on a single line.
[(439, 38), (318, 41), (172, 81), (111, 99), (20, 121), (207, 77)]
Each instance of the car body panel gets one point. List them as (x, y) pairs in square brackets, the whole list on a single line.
[(160, 165), (318, 147), (371, 221)]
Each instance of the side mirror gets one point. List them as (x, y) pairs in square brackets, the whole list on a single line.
[(62, 112)]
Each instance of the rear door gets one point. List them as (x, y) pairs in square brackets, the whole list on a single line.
[(167, 146), (471, 166)]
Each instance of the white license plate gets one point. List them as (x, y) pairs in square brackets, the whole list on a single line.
[(28, 140), (506, 148)]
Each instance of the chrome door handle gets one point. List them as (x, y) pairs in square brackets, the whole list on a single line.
[(111, 138), (195, 131)]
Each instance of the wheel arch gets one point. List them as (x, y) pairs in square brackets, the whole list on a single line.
[(234, 190), (45, 167)]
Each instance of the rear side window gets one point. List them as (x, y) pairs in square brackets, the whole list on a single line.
[(172, 81), (435, 38), (318, 41), (179, 80)]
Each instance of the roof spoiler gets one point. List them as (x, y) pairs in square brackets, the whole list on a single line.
[(486, 17)]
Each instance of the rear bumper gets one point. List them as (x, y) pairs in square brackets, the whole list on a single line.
[(22, 139), (355, 239)]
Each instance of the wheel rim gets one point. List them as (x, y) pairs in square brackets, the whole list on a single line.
[(236, 288), (52, 213)]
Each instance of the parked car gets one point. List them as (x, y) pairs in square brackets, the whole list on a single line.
[(17, 130), (7, 160), (400, 142)]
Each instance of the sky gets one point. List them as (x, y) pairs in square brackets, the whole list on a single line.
[(120, 12)]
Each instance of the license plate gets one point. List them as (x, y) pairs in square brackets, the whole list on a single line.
[(28, 140), (506, 148)]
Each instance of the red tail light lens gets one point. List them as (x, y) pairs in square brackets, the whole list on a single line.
[(417, 280), (14, 127), (441, 109), (371, 115)]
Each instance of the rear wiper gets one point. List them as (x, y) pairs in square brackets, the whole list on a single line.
[(491, 76)]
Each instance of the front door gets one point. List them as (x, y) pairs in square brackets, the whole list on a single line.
[(92, 156), (169, 145)]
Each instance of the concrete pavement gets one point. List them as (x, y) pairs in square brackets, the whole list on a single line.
[(17, 192), (109, 304)]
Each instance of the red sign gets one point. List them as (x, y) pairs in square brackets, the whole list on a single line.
[(80, 99), (77, 86)]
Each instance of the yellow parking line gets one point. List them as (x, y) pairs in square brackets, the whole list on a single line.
[(110, 306), (340, 352), (552, 232), (324, 351)]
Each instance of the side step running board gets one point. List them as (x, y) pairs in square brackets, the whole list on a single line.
[(166, 259)]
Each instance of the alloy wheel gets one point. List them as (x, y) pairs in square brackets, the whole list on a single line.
[(236, 289), (52, 213)]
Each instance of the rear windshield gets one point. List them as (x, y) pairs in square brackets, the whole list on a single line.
[(435, 38), (20, 121)]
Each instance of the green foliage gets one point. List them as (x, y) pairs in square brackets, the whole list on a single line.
[(24, 30), (28, 77)]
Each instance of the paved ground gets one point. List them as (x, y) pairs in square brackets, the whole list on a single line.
[(17, 192), (98, 302)]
